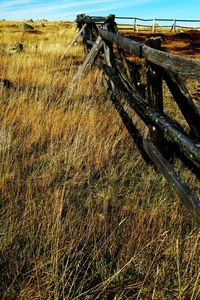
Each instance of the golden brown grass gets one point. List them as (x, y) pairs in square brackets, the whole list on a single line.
[(82, 216)]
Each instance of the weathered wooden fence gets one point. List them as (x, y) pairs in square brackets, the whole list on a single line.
[(155, 23), (102, 44)]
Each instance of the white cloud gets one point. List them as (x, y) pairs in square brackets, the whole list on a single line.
[(22, 9), (15, 3)]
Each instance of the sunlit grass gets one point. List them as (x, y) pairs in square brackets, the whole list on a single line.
[(82, 216)]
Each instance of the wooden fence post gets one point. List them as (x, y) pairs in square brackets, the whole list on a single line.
[(173, 28), (135, 25), (108, 46), (154, 92), (153, 25)]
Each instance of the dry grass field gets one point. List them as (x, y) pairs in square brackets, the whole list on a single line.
[(82, 216)]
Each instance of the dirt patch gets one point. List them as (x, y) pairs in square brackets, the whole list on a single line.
[(34, 31), (189, 35), (182, 43)]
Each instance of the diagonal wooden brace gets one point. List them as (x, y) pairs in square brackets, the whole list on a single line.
[(178, 185), (89, 60)]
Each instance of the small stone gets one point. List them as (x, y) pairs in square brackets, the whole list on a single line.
[(27, 26), (5, 83), (15, 48), (39, 24)]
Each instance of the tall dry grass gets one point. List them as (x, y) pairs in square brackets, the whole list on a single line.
[(82, 216)]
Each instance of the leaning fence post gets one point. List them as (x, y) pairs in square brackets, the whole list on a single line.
[(173, 28), (178, 185), (89, 60), (153, 25), (73, 42), (154, 92)]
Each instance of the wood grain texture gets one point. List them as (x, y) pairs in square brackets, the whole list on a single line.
[(178, 185), (175, 63), (125, 43), (155, 92), (74, 41), (89, 59), (188, 146)]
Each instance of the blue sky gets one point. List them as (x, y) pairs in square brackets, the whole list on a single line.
[(67, 10)]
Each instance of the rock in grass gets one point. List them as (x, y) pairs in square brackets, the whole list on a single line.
[(15, 48), (5, 83), (27, 26), (39, 24)]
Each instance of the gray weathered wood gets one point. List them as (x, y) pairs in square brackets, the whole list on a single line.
[(88, 42), (173, 28), (88, 36), (90, 19), (184, 101), (153, 25), (73, 42), (159, 63), (189, 147), (108, 50), (135, 28), (175, 63), (178, 185), (155, 92), (122, 55), (127, 44), (88, 60)]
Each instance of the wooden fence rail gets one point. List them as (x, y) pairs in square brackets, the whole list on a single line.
[(102, 44), (173, 26), (171, 62)]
